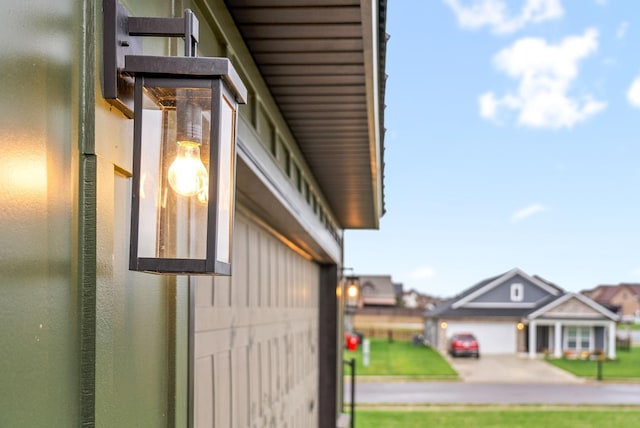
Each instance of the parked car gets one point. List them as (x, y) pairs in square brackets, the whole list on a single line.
[(464, 344)]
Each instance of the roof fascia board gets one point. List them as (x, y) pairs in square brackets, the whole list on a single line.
[(500, 305), (370, 42)]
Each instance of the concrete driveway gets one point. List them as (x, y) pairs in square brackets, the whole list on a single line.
[(510, 369)]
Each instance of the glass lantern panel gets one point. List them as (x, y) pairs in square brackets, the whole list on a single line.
[(174, 172), (226, 179), (150, 162)]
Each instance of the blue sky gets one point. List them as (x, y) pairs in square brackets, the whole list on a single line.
[(513, 140)]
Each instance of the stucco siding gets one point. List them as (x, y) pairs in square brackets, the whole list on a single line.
[(256, 337)]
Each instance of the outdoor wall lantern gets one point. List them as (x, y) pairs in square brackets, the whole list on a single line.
[(185, 119), (353, 292)]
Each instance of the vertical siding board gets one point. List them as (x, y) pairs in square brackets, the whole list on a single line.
[(284, 276), (254, 381), (254, 286), (273, 274), (265, 272), (203, 291), (263, 367), (222, 390), (275, 368), (290, 364), (239, 386), (299, 284), (239, 278), (204, 392), (222, 291)]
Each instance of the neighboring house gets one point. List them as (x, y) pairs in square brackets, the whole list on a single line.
[(415, 299), (377, 290), (515, 313), (623, 298)]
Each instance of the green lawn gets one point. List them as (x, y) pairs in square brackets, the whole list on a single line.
[(499, 418), (401, 358), (627, 366)]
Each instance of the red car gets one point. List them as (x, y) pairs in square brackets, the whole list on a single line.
[(464, 344)]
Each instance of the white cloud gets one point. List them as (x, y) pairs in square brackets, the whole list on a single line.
[(424, 272), (545, 73), (622, 29), (494, 14), (527, 212), (633, 95)]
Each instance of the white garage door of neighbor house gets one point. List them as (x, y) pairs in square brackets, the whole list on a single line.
[(493, 338)]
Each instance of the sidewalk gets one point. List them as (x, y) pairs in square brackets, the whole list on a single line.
[(388, 393)]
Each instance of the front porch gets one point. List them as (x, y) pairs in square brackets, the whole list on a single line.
[(558, 338)]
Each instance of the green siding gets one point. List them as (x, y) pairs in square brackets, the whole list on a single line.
[(84, 341), (39, 346)]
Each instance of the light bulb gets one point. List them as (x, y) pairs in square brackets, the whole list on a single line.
[(352, 291), (187, 174)]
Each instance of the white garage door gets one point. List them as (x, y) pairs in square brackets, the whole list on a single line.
[(493, 337)]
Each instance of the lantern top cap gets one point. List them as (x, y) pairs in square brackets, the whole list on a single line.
[(203, 67)]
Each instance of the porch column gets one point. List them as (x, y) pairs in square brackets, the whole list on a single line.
[(612, 341), (532, 339), (557, 340)]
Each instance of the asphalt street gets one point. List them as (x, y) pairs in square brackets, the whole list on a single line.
[(481, 393)]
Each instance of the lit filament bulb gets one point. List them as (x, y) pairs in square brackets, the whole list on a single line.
[(352, 291), (187, 174)]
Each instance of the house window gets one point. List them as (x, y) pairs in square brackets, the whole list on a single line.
[(517, 292), (578, 338)]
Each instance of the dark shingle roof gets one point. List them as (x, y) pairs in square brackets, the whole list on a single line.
[(445, 306)]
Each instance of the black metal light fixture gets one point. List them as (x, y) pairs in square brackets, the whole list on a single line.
[(185, 120)]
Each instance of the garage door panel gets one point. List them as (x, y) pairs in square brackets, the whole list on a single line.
[(493, 337)]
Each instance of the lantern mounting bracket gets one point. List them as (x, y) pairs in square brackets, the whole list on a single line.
[(123, 37)]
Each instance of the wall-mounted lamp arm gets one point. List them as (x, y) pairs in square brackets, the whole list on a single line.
[(123, 37), (187, 27)]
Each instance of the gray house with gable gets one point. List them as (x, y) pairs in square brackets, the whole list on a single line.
[(516, 313)]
